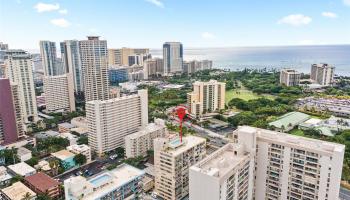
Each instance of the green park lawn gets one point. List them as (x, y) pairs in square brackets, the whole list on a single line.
[(297, 132), (244, 94)]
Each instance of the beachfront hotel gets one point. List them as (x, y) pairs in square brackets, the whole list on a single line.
[(264, 164), (172, 159), (121, 183)]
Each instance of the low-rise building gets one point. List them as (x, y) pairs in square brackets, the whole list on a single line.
[(66, 157), (41, 183), (137, 144), (81, 149), (46, 134), (334, 106), (288, 121), (24, 154), (22, 169), (147, 183), (70, 137), (121, 183), (43, 165), (79, 122), (65, 127), (5, 177), (17, 191)]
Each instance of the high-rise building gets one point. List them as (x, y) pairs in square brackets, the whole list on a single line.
[(121, 56), (109, 121), (51, 64), (289, 77), (294, 167), (19, 66), (3, 48), (59, 93), (322, 74), (10, 122), (153, 67), (206, 97), (190, 67), (228, 173), (172, 160), (137, 144), (93, 54), (72, 63), (172, 58)]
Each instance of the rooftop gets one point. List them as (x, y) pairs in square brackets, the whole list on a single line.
[(17, 191), (67, 125), (76, 147), (42, 181), (292, 118), (22, 168), (222, 161), (105, 182), (63, 154), (151, 127), (175, 146), (293, 140), (23, 151)]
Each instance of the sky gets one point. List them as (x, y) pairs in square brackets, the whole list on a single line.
[(195, 23)]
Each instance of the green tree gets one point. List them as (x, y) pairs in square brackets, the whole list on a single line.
[(80, 159), (27, 196), (83, 139), (33, 161)]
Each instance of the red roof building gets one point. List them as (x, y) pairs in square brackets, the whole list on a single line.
[(41, 183)]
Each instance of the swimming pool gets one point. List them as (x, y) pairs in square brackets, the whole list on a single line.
[(100, 180)]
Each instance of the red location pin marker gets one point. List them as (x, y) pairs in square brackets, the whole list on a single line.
[(181, 113)]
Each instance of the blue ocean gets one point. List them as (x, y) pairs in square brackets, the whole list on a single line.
[(295, 57)]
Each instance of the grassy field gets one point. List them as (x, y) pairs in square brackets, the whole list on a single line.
[(244, 94)]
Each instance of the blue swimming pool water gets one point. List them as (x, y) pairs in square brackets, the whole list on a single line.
[(100, 180)]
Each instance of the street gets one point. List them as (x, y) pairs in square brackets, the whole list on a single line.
[(344, 194)]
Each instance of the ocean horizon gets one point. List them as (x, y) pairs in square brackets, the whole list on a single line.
[(272, 57)]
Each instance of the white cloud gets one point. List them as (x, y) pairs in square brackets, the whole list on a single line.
[(329, 15), (306, 42), (346, 2), (295, 20), (207, 35), (156, 2), (93, 30), (61, 22), (63, 11), (44, 7)]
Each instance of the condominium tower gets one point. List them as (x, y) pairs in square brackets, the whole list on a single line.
[(59, 93), (19, 67), (11, 127), (72, 63), (93, 54), (172, 159), (226, 174), (50, 63), (172, 58), (322, 74), (286, 167), (289, 77), (153, 67), (121, 56), (206, 97), (109, 121)]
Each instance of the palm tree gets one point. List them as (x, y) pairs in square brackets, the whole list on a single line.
[(27, 196), (54, 164)]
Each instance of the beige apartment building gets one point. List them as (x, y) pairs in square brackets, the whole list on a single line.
[(109, 121), (94, 58), (137, 144), (206, 97), (19, 66), (59, 93), (153, 67), (172, 160), (285, 167), (289, 77), (121, 56)]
